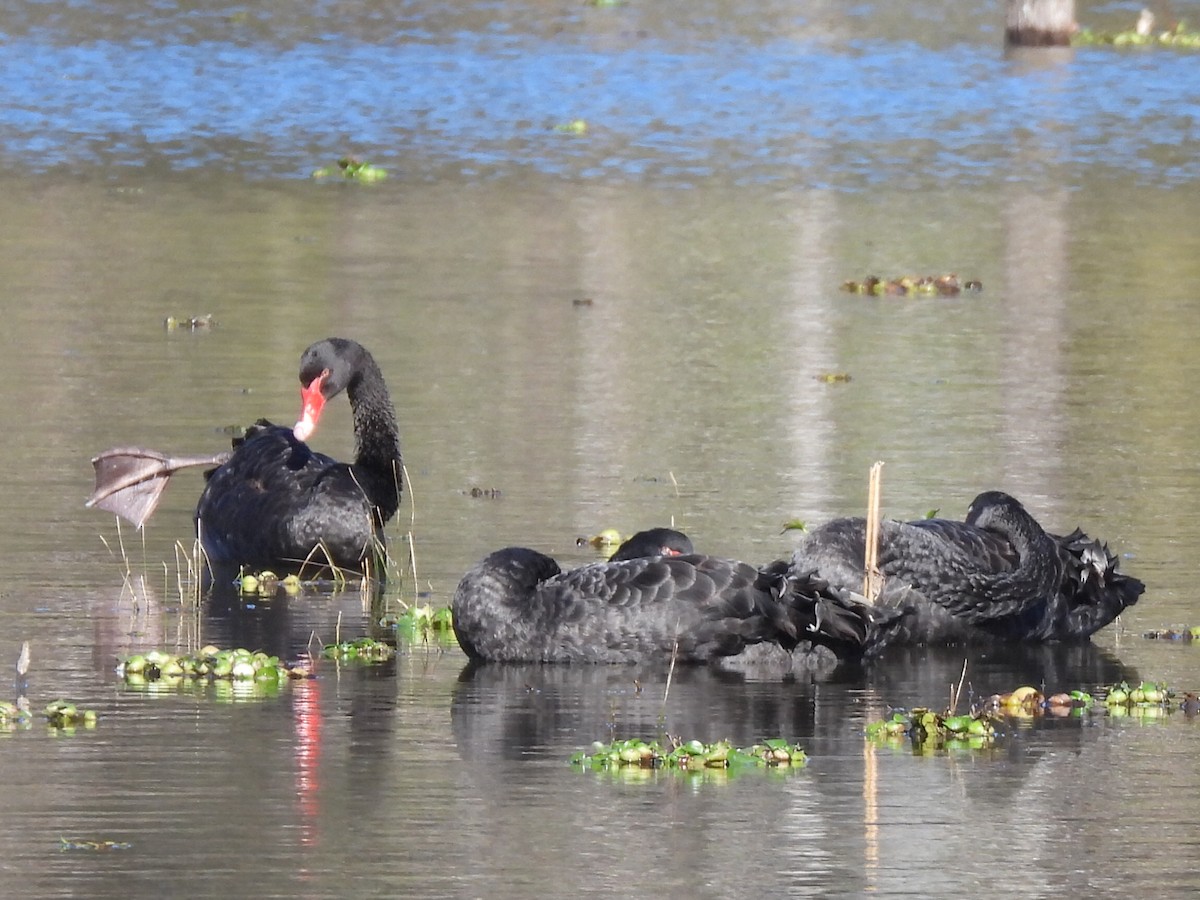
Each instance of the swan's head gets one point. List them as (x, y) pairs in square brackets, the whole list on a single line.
[(995, 509), (654, 542), (326, 369)]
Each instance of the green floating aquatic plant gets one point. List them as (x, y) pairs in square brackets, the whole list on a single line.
[(1147, 700), (606, 541), (1187, 633), (266, 583), (422, 624), (62, 715), (689, 756), (352, 169), (189, 323), (92, 846), (65, 715), (1178, 36), (912, 286), (928, 730), (931, 731), (12, 715), (574, 126), (208, 664), (364, 650)]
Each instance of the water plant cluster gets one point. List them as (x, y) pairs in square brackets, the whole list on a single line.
[(60, 714), (1188, 633), (267, 583), (927, 729), (208, 664), (574, 126), (948, 285), (92, 846), (689, 756), (364, 649), (606, 541), (1028, 701), (1148, 700), (979, 729), (352, 169), (189, 323), (65, 714), (12, 714), (1178, 36), (422, 624)]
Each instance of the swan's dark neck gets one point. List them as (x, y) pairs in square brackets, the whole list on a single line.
[(1004, 515), (1039, 571), (377, 463)]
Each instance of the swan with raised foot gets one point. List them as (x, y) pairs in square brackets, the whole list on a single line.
[(273, 502)]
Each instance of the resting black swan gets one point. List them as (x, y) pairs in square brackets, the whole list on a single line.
[(996, 575), (517, 605), (274, 503), (654, 542)]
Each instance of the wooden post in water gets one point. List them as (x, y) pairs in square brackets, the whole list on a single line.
[(1039, 23), (873, 579)]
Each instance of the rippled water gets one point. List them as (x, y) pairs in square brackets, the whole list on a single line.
[(807, 94), (740, 164)]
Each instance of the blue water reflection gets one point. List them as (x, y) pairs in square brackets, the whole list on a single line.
[(846, 114)]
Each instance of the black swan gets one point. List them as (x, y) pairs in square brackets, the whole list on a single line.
[(654, 542), (274, 503), (996, 575), (518, 606)]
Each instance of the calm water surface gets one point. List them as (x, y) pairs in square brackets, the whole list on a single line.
[(621, 329)]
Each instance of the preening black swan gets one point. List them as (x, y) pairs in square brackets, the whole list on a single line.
[(996, 575), (517, 605), (274, 502), (654, 542)]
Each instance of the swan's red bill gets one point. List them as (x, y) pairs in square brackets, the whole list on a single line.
[(313, 401)]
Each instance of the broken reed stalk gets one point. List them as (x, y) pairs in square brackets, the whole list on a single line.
[(956, 692), (412, 560), (872, 578), (670, 675)]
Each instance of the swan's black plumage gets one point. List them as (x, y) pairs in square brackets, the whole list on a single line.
[(517, 605), (278, 504), (997, 574), (654, 542)]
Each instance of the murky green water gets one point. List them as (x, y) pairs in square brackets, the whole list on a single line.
[(686, 391)]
